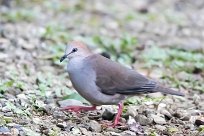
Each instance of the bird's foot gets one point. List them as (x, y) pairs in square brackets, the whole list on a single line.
[(78, 108), (117, 118)]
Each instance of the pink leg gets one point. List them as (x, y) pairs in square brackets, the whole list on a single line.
[(78, 108), (117, 118)]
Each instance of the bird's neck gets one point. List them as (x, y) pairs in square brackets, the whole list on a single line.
[(75, 64)]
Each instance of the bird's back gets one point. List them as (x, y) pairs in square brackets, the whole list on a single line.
[(113, 78)]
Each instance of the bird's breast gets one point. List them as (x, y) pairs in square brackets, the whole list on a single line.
[(83, 78)]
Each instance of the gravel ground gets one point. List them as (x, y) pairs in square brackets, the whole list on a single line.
[(161, 39)]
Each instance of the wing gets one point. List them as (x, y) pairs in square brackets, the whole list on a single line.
[(112, 78)]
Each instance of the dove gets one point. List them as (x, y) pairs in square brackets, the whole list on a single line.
[(102, 81)]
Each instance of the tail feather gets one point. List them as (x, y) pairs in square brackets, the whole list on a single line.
[(168, 91)]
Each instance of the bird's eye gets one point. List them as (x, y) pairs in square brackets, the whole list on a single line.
[(74, 50)]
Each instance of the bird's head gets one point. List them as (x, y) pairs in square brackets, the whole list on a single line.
[(76, 49)]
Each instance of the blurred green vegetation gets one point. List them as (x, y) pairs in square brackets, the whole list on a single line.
[(18, 15), (55, 33)]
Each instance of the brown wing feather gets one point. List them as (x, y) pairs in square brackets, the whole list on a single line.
[(112, 78)]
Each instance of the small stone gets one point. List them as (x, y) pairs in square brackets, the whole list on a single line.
[(199, 121), (40, 105), (11, 124), (128, 133), (115, 134), (70, 102), (107, 115), (143, 120), (182, 114), (196, 99), (172, 130), (45, 131), (14, 132), (37, 120), (3, 56), (4, 131), (155, 95), (61, 125), (85, 132), (8, 114), (189, 126), (148, 112), (160, 127), (110, 129), (134, 126), (5, 109), (94, 126), (132, 111), (142, 6), (23, 103), (25, 45), (158, 119), (59, 114), (22, 96), (166, 113), (75, 131), (49, 109)]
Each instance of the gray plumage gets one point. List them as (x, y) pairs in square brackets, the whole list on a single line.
[(103, 82)]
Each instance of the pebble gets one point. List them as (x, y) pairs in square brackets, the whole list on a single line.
[(141, 6), (25, 45), (143, 120), (3, 56), (158, 119), (189, 126), (37, 120), (59, 114), (14, 132), (4, 131), (182, 114), (107, 115), (134, 126), (166, 113), (11, 124), (132, 111), (115, 134), (22, 96), (160, 127), (61, 125), (85, 132), (199, 121), (128, 133), (49, 109), (94, 126), (70, 102), (8, 114), (5, 109), (110, 129), (75, 131)]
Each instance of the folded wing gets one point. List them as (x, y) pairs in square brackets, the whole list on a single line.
[(112, 78)]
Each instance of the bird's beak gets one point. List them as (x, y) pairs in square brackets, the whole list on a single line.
[(63, 57)]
